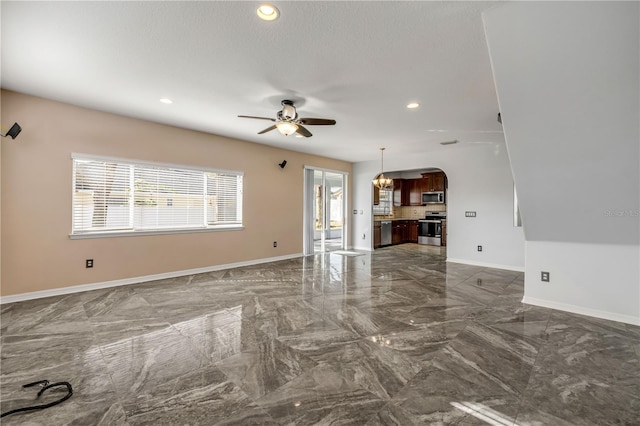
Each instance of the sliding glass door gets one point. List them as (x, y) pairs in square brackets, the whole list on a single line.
[(325, 203)]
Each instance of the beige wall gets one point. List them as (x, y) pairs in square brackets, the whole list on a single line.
[(37, 253)]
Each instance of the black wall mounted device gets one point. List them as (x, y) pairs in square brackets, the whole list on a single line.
[(13, 131)]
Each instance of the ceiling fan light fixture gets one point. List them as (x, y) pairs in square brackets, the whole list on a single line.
[(267, 12), (286, 128), (381, 181)]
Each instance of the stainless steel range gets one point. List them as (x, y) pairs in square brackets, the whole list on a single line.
[(430, 229)]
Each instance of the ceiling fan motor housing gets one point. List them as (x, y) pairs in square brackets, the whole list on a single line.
[(288, 110)]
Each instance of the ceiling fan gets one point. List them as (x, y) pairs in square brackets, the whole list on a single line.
[(288, 123)]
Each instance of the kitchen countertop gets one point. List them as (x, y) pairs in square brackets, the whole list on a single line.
[(393, 219)]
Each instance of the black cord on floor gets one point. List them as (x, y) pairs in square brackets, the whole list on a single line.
[(45, 385)]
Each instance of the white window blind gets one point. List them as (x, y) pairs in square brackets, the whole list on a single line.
[(111, 195)]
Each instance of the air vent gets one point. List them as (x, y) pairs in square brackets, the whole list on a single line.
[(449, 142)]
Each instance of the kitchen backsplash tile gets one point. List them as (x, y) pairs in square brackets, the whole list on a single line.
[(414, 212), (418, 212)]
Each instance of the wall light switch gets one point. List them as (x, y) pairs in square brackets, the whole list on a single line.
[(355, 212), (545, 276), (469, 214)]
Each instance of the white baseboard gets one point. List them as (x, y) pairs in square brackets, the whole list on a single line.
[(135, 280), (487, 265), (612, 316)]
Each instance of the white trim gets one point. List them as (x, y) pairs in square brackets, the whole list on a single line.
[(308, 242), (307, 213), (487, 265), (612, 316), (326, 170), (130, 161), (136, 280), (127, 233)]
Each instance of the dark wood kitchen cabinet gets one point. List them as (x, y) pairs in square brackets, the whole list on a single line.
[(438, 181), (432, 182), (377, 234), (396, 232), (412, 231), (407, 192), (376, 195), (414, 189), (400, 192), (402, 231)]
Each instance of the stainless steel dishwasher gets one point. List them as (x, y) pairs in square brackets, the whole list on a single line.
[(385, 236)]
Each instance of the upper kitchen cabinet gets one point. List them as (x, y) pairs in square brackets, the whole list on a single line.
[(432, 182), (399, 193), (407, 192), (414, 190), (376, 195)]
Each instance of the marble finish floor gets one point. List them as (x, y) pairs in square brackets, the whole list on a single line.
[(394, 337)]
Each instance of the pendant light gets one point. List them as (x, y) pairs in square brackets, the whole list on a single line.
[(380, 180)]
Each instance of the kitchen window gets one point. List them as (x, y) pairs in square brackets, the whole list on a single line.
[(114, 197), (386, 202)]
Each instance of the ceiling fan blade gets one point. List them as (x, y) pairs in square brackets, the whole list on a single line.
[(304, 132), (317, 121), (268, 129), (259, 118)]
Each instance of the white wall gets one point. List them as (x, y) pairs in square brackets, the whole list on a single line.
[(567, 78), (479, 179), (590, 279)]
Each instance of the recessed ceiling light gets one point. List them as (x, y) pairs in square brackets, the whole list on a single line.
[(267, 12), (166, 101), (413, 105)]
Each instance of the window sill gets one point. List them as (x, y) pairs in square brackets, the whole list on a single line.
[(127, 233)]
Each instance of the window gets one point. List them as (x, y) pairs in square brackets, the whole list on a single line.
[(386, 202), (116, 196)]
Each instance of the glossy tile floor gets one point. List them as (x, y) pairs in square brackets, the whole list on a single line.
[(394, 337)]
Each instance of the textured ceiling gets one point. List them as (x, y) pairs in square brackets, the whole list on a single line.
[(357, 62)]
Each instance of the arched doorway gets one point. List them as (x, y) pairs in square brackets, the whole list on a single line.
[(416, 207)]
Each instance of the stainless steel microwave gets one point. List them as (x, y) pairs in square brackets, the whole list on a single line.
[(432, 197)]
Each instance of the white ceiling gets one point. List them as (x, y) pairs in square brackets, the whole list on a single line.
[(357, 62)]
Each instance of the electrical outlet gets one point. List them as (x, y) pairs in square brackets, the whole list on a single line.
[(89, 263), (545, 276), (275, 244), (355, 212), (479, 248)]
